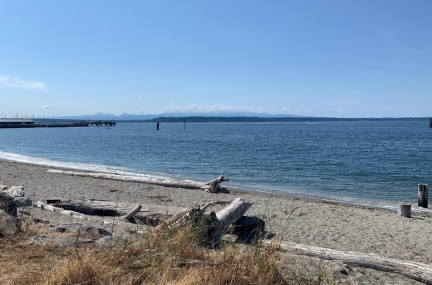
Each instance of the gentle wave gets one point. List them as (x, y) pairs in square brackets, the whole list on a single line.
[(375, 164), (80, 166), (130, 172)]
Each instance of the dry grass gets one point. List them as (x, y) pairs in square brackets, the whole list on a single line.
[(166, 258)]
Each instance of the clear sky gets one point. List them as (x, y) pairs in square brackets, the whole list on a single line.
[(317, 58)]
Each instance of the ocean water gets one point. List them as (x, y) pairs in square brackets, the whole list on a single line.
[(378, 163)]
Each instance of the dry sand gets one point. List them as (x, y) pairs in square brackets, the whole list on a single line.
[(330, 225)]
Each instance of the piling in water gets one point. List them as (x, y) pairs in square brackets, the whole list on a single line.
[(423, 195)]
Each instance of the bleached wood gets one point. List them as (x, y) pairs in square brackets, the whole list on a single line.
[(205, 206), (81, 216), (233, 211), (227, 216), (171, 221), (133, 212), (164, 224), (99, 208), (212, 185), (414, 270)]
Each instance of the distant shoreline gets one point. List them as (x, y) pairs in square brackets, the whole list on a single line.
[(234, 119)]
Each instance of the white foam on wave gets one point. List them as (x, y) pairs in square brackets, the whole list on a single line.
[(391, 205), (80, 166)]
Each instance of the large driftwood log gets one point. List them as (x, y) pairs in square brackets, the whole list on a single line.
[(81, 216), (147, 214), (94, 207), (210, 186), (414, 270), (44, 206), (227, 216), (232, 213)]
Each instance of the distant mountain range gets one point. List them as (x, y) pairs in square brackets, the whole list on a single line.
[(180, 117), (131, 117)]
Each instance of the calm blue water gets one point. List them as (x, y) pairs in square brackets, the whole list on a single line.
[(374, 163)]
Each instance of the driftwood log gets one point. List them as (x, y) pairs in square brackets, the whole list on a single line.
[(414, 270), (165, 224), (133, 212), (227, 216), (211, 226), (84, 217), (93, 207), (48, 207), (210, 186)]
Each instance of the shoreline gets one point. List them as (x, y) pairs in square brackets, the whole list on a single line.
[(301, 220), (390, 205), (312, 222)]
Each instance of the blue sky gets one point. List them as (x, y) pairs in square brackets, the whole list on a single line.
[(315, 58)]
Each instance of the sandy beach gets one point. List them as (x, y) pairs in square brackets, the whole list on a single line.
[(316, 223)]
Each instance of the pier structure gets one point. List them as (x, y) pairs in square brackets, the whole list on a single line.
[(26, 123), (16, 123), (101, 123)]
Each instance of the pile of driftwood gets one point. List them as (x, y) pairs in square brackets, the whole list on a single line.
[(213, 224)]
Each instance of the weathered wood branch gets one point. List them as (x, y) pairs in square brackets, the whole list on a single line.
[(81, 216), (94, 207), (165, 224), (133, 212), (172, 221), (43, 206), (414, 270), (211, 186)]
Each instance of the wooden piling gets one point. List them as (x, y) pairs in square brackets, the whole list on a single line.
[(423, 195), (404, 210), (157, 126), (430, 123)]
